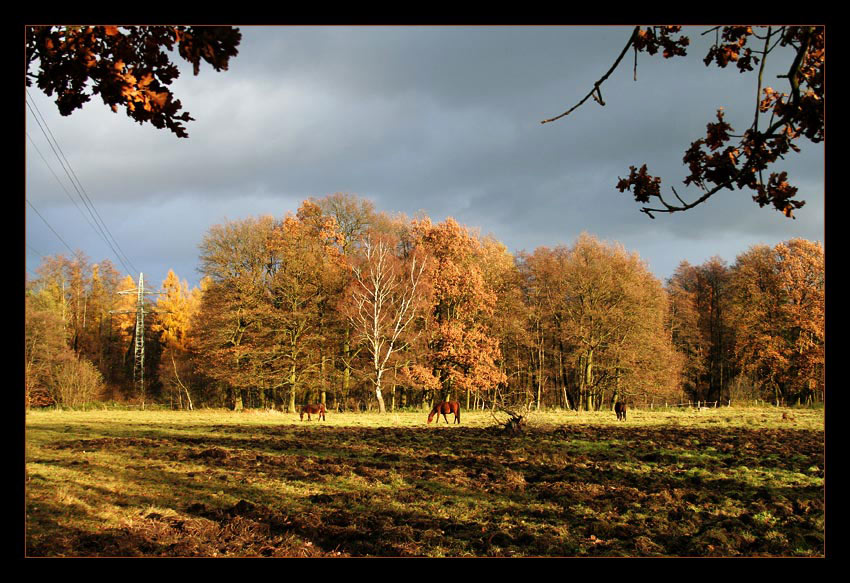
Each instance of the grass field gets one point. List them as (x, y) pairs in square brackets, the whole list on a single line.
[(719, 482)]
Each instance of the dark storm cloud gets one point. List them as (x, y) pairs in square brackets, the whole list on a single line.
[(440, 119)]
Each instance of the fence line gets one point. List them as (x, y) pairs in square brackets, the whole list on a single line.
[(694, 404)]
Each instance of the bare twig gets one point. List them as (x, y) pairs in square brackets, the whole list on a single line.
[(761, 72), (634, 75), (596, 85)]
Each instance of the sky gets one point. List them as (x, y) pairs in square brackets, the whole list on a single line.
[(439, 119)]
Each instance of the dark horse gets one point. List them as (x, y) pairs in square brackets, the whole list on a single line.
[(620, 410), (443, 408), (308, 409)]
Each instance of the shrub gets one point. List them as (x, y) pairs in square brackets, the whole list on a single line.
[(76, 381)]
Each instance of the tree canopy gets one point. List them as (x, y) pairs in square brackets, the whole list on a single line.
[(295, 310), (128, 66), (723, 159)]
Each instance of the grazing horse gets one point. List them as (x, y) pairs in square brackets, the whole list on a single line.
[(443, 408), (620, 410), (308, 409)]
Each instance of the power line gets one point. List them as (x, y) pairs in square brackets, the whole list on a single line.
[(34, 251), (49, 227), (83, 196), (81, 192), (62, 186)]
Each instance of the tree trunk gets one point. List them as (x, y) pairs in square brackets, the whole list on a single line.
[(588, 381), (540, 375), (381, 407), (582, 383), (290, 408), (188, 397), (346, 372), (323, 389)]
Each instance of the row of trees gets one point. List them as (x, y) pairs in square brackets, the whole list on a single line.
[(755, 329), (355, 308)]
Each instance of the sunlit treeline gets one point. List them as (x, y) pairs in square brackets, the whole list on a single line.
[(359, 309)]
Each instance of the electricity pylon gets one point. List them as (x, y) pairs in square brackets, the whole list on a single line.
[(139, 352)]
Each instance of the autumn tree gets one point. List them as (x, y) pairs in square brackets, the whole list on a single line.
[(45, 345), (723, 158), (102, 300), (385, 300), (703, 327), (613, 320), (78, 273), (683, 323), (801, 272), (234, 258), (354, 217), (306, 276), (128, 66), (68, 336), (125, 315), (259, 327), (543, 274), (175, 311), (506, 323), (462, 355), (779, 307), (52, 288)]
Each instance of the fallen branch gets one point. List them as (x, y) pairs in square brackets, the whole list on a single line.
[(514, 425)]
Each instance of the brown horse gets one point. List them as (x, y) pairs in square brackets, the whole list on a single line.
[(308, 409), (620, 410), (443, 408)]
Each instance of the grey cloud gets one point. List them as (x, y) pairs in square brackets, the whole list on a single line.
[(443, 119)]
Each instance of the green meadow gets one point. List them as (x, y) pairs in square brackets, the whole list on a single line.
[(715, 482)]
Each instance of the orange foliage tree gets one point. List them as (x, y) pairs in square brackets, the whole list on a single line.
[(227, 323), (127, 66), (175, 311), (703, 327), (75, 297), (542, 277), (354, 219), (609, 312), (462, 355), (779, 297), (780, 118), (259, 326), (507, 323)]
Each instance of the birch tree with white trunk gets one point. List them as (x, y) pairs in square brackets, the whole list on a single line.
[(385, 302)]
